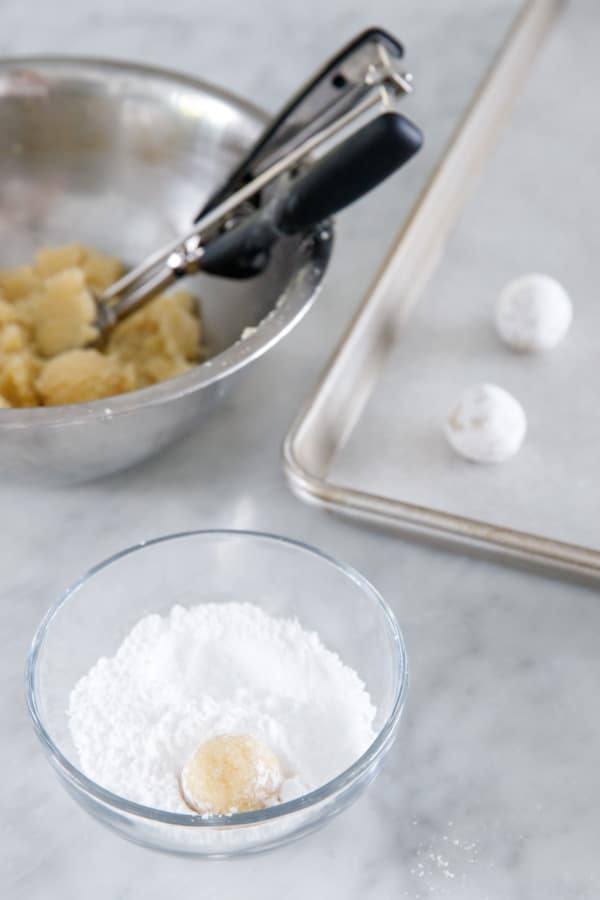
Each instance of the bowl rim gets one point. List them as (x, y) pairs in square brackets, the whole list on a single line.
[(334, 786), (293, 303)]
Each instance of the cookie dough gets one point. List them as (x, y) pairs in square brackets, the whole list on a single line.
[(231, 773), (47, 314), (79, 375), (533, 313), (486, 425)]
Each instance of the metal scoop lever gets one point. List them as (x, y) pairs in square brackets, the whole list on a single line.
[(371, 59)]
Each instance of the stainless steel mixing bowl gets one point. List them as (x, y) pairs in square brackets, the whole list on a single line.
[(120, 157)]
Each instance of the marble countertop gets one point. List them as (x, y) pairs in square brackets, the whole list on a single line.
[(492, 790)]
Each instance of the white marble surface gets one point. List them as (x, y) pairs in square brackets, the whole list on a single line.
[(492, 790)]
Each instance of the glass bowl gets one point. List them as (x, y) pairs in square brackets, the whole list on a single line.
[(284, 578)]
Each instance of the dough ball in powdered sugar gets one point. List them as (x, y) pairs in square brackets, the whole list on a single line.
[(533, 313), (231, 773), (486, 425)]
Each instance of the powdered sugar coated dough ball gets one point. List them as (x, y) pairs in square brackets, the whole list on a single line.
[(487, 425), (533, 313), (231, 773)]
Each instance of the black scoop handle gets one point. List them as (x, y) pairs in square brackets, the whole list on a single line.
[(354, 168), (343, 175)]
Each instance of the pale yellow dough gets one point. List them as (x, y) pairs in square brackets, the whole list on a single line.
[(47, 314), (231, 773), (63, 314), (79, 375)]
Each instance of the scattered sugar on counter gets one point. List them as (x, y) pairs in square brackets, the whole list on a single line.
[(177, 681)]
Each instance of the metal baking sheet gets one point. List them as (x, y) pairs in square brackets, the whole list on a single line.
[(369, 441)]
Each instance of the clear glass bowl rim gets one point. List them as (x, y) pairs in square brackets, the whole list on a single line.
[(324, 792)]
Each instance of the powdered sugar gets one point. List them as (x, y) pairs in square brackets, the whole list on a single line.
[(181, 679)]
